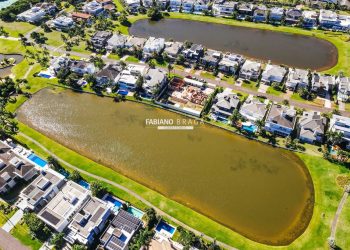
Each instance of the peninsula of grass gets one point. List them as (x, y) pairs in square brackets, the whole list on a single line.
[(338, 39), (327, 197)]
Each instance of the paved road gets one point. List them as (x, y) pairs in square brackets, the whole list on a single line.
[(13, 221), (218, 83), (160, 212), (337, 214), (8, 242)]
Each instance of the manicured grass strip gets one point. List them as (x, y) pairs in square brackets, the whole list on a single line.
[(21, 232), (132, 59), (5, 217), (342, 238), (15, 28), (272, 91), (323, 173)]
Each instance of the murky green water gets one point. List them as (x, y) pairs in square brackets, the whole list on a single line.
[(259, 191)]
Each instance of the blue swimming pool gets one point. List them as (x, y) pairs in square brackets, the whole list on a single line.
[(136, 212), (84, 184), (117, 204), (44, 75), (37, 160), (250, 129), (162, 225)]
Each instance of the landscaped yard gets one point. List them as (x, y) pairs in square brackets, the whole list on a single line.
[(207, 75), (250, 85), (132, 59), (15, 28), (342, 238), (114, 56), (5, 217), (272, 91), (21, 232), (228, 79), (317, 102)]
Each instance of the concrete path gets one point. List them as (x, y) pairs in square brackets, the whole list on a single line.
[(263, 88), (160, 212), (341, 106), (13, 221), (8, 242), (337, 214)]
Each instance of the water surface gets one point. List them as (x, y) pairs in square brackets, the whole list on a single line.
[(281, 48), (259, 191)]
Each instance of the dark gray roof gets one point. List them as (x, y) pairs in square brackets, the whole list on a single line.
[(282, 115)]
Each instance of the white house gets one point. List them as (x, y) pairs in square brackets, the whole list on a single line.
[(187, 6), (63, 23), (224, 8), (82, 67), (343, 88), (250, 70), (33, 15), (297, 78), (154, 81), (328, 19), (341, 124), (253, 109), (273, 73), (153, 45), (280, 120), (93, 8)]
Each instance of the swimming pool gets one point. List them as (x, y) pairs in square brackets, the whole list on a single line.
[(136, 212), (163, 226), (116, 203), (43, 75), (37, 160), (250, 129), (123, 92), (84, 184)]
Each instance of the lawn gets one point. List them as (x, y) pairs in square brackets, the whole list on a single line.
[(342, 238), (132, 59), (4, 217), (228, 79), (114, 56), (272, 91), (207, 75), (53, 38), (316, 102), (21, 232), (15, 28), (327, 195), (250, 85), (9, 46)]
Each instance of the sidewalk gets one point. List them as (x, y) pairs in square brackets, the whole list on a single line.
[(13, 221)]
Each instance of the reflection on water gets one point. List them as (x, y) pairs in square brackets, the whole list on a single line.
[(259, 191), (281, 48)]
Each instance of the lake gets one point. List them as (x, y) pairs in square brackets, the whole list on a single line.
[(281, 48), (4, 4), (261, 192)]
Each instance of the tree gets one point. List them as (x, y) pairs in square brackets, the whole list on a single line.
[(37, 228), (151, 218), (141, 239), (170, 68), (57, 240), (154, 13), (334, 137), (97, 189), (54, 163), (75, 176), (260, 124), (78, 247), (139, 84), (123, 19), (235, 117)]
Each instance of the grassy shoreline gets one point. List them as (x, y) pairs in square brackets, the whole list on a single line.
[(339, 40), (315, 235)]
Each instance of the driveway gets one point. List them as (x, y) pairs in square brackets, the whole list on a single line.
[(8, 242)]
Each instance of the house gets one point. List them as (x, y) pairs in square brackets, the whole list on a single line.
[(260, 14), (194, 52), (201, 6), (297, 78), (119, 233), (293, 16), (153, 46), (244, 10), (280, 120), (41, 190), (99, 40), (343, 88), (133, 5), (33, 15), (224, 8), (250, 70), (108, 5), (127, 79), (310, 19), (58, 213), (155, 80), (162, 4), (107, 75), (344, 23), (81, 67), (172, 49), (13, 168), (88, 222), (49, 8), (210, 59), (328, 19), (273, 73), (175, 5), (276, 14), (135, 43), (224, 104), (187, 6), (147, 3), (230, 63), (311, 127), (253, 109), (81, 17), (93, 8), (63, 23), (60, 64), (322, 84), (341, 124), (116, 41)]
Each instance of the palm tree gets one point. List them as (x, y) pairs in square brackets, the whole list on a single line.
[(170, 68), (260, 124), (334, 137)]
